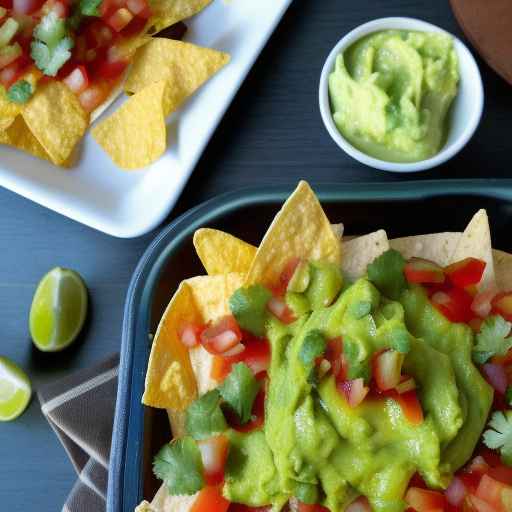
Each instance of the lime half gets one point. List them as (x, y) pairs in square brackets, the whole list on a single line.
[(58, 310), (15, 390)]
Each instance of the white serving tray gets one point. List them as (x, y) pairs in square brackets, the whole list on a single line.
[(130, 203)]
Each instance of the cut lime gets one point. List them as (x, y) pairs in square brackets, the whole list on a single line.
[(15, 390), (58, 310)]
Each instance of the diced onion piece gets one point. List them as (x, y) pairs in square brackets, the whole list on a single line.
[(323, 368), (92, 97), (221, 336), (354, 391), (387, 369), (120, 19), (9, 54), (279, 308), (214, 451), (136, 6), (422, 271), (496, 376), (479, 505), (237, 349), (423, 500), (482, 303), (406, 384), (77, 80), (25, 6), (456, 492), (359, 505), (478, 465), (189, 335)]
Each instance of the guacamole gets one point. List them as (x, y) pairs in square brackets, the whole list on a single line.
[(391, 92), (315, 447)]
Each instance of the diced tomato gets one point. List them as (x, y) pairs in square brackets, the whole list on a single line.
[(501, 474), (138, 7), (210, 499), (278, 307), (476, 324), (423, 500), (496, 376), (189, 334), (481, 304), (353, 390), (502, 305), (298, 506), (93, 97), (135, 27), (361, 504), (480, 505), (387, 368), (406, 384), (26, 6), (333, 354), (14, 71), (409, 404), (77, 80), (286, 275), (454, 304), (466, 272), (111, 70), (504, 360), (214, 453), (491, 491), (238, 507), (98, 34), (6, 4), (257, 414), (222, 335), (421, 271), (478, 466), (456, 492), (119, 19)]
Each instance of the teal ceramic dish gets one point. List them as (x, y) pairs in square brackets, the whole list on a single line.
[(403, 208)]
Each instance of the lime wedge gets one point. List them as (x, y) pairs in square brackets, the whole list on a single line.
[(58, 310), (15, 390)]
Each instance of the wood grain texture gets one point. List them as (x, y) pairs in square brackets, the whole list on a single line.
[(272, 133)]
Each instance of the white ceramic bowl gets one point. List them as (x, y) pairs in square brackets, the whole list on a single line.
[(465, 113)]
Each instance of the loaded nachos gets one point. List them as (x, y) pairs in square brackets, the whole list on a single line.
[(62, 62), (315, 373)]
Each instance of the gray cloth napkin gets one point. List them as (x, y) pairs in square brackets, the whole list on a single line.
[(80, 409)]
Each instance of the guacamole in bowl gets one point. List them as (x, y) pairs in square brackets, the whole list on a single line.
[(316, 373)]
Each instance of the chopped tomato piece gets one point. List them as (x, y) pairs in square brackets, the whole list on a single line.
[(333, 354), (476, 324), (93, 97), (504, 360), (280, 309), (501, 474), (110, 70), (502, 305), (6, 4), (454, 304), (423, 500), (190, 334), (26, 6), (210, 499), (14, 71), (496, 376), (480, 505), (77, 80), (361, 504), (481, 304), (119, 19), (387, 368), (456, 492), (409, 404), (478, 466), (421, 271), (466, 272), (286, 276), (221, 336), (214, 452), (299, 506), (257, 415), (490, 490), (353, 390), (238, 507)]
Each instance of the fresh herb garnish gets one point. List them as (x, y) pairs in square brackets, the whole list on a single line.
[(386, 272), (313, 346), (499, 436), (204, 417), (239, 390), (248, 306), (180, 466), (492, 339), (20, 92)]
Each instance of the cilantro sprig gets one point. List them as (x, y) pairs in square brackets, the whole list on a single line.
[(313, 346), (20, 92), (386, 272), (492, 339), (180, 466), (499, 436), (239, 390), (204, 417)]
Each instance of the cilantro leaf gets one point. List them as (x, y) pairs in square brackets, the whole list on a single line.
[(50, 30), (313, 346), (204, 417), (492, 339), (180, 466), (400, 340), (90, 7), (356, 367), (360, 309), (20, 92), (499, 436), (40, 53), (239, 390), (386, 272), (248, 306), (60, 55)]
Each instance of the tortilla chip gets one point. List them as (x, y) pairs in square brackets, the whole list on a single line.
[(222, 253), (437, 247), (184, 67), (163, 502), (58, 130), (338, 230), (503, 269), (168, 12), (359, 252), (8, 111), (135, 135), (176, 375), (300, 230), (476, 242)]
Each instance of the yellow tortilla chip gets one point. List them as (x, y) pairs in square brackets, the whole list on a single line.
[(8, 111), (301, 229), (184, 67), (437, 247), (135, 135), (503, 269), (58, 130), (476, 242), (168, 12), (359, 252), (222, 253), (176, 375)]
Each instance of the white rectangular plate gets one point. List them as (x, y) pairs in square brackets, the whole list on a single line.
[(128, 204)]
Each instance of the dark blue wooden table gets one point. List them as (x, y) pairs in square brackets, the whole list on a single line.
[(272, 133)]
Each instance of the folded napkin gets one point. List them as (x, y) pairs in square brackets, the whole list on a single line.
[(80, 409)]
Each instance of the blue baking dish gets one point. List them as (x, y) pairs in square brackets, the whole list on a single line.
[(402, 208)]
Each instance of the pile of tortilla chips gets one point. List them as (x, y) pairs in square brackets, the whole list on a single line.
[(162, 75), (176, 375)]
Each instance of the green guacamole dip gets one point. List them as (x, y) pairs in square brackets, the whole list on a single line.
[(391, 91), (315, 447)]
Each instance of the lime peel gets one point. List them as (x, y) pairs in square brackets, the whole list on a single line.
[(15, 390)]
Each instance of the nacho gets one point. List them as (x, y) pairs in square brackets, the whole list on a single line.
[(300, 230), (184, 67), (168, 12), (362, 250), (135, 135)]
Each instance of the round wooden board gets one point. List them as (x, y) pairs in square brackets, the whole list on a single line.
[(488, 25)]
